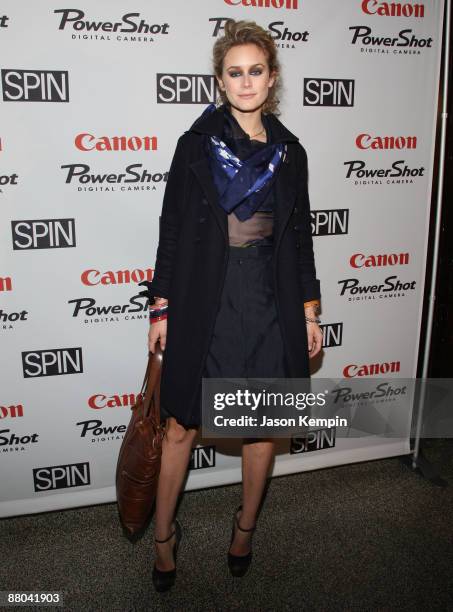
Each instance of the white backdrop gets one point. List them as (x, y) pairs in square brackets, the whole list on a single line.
[(360, 91)]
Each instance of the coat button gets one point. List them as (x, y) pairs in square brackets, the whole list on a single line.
[(297, 245), (197, 239), (295, 210), (297, 227), (202, 219), (204, 201)]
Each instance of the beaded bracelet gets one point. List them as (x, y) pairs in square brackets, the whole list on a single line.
[(158, 308), (157, 319), (158, 314), (310, 320)]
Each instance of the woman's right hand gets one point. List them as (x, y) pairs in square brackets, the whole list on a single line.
[(157, 331)]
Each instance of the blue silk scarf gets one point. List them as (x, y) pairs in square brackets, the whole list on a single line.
[(242, 185)]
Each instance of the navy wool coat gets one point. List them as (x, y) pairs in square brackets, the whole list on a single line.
[(192, 257)]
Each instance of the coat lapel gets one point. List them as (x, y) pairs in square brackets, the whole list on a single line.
[(285, 194)]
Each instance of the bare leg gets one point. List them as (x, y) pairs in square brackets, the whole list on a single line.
[(256, 460), (176, 447)]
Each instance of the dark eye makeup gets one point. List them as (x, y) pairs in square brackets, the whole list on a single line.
[(255, 71)]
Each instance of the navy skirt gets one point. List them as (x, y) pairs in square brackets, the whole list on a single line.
[(247, 341)]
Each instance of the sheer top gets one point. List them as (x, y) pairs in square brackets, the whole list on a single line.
[(256, 230)]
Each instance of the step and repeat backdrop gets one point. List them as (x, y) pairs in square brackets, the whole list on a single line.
[(94, 96)]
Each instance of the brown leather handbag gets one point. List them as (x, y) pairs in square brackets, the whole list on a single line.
[(138, 466)]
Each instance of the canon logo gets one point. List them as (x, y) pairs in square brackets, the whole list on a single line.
[(285, 4), (366, 141), (88, 142), (358, 260), (95, 277), (372, 369), (16, 410), (100, 400), (6, 283), (393, 9)]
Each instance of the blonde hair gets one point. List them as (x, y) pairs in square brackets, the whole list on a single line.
[(243, 33)]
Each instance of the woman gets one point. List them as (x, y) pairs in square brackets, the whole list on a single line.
[(234, 269)]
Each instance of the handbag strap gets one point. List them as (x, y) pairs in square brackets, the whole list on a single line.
[(145, 380), (151, 385)]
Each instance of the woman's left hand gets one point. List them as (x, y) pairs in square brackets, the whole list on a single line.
[(314, 337)]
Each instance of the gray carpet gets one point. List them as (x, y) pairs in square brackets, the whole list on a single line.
[(367, 536)]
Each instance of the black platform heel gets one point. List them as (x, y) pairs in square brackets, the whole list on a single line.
[(239, 564), (163, 580)]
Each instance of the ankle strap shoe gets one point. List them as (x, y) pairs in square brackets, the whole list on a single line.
[(163, 580), (239, 564)]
